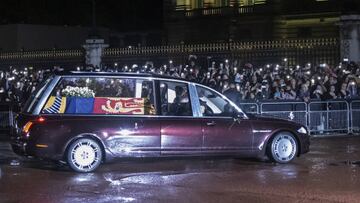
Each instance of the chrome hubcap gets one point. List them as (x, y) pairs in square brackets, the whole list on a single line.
[(284, 147), (85, 155)]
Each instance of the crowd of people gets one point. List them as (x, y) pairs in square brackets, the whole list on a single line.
[(16, 85), (268, 82), (238, 82)]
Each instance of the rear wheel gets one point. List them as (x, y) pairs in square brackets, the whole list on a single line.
[(283, 148), (84, 155)]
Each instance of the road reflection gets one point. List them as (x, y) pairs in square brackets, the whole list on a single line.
[(330, 172)]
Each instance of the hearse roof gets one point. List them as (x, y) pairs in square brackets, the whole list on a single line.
[(82, 73)]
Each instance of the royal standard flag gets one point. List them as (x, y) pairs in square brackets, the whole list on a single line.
[(116, 105), (79, 105), (55, 105)]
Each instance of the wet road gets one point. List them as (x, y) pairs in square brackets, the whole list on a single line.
[(329, 173)]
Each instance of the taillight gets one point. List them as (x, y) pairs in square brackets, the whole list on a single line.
[(41, 119), (27, 127), (29, 124)]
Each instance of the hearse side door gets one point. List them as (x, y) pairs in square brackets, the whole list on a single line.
[(137, 135), (223, 131), (180, 130), (134, 137)]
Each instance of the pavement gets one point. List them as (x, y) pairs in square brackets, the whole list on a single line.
[(330, 172)]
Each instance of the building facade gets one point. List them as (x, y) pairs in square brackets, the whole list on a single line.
[(26, 37), (204, 21), (255, 31)]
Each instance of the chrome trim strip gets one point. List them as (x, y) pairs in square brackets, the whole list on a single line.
[(155, 97), (136, 150), (187, 148), (206, 151), (261, 131), (127, 77), (135, 116), (195, 104)]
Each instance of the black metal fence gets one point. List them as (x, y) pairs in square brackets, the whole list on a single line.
[(316, 51), (298, 51), (6, 117)]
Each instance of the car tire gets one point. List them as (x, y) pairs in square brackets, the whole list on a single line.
[(283, 148), (84, 155)]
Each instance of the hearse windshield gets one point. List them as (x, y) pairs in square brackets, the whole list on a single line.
[(35, 96)]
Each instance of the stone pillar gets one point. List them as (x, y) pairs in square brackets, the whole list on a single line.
[(94, 49), (350, 37)]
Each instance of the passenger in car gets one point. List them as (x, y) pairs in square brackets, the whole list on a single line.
[(119, 92), (180, 106)]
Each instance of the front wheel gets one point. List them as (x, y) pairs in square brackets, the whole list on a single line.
[(283, 148), (84, 155)]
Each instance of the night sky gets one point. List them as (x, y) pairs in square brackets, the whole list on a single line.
[(122, 15)]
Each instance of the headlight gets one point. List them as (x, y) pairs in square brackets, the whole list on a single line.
[(302, 130)]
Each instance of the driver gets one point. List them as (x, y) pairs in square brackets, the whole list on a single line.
[(181, 104)]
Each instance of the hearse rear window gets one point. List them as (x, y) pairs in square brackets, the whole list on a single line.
[(90, 95), (36, 95)]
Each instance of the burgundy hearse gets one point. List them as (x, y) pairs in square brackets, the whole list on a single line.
[(85, 119)]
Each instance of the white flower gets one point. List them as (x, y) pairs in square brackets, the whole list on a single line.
[(78, 92)]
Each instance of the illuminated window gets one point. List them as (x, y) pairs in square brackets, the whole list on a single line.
[(247, 2), (251, 2), (183, 4), (210, 3), (195, 4)]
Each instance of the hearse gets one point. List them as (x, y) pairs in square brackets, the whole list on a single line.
[(87, 118)]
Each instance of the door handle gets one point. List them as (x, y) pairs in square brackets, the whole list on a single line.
[(138, 125), (212, 123)]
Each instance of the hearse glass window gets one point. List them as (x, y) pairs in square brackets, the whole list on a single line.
[(36, 95), (213, 104), (90, 95), (174, 98)]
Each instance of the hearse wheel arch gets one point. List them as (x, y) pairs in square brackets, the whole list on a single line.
[(84, 154), (283, 147)]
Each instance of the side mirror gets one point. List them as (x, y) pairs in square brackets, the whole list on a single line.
[(238, 116)]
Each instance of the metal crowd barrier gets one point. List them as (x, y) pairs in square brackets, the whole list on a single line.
[(250, 107), (6, 117), (294, 111), (320, 117), (327, 117), (355, 116)]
